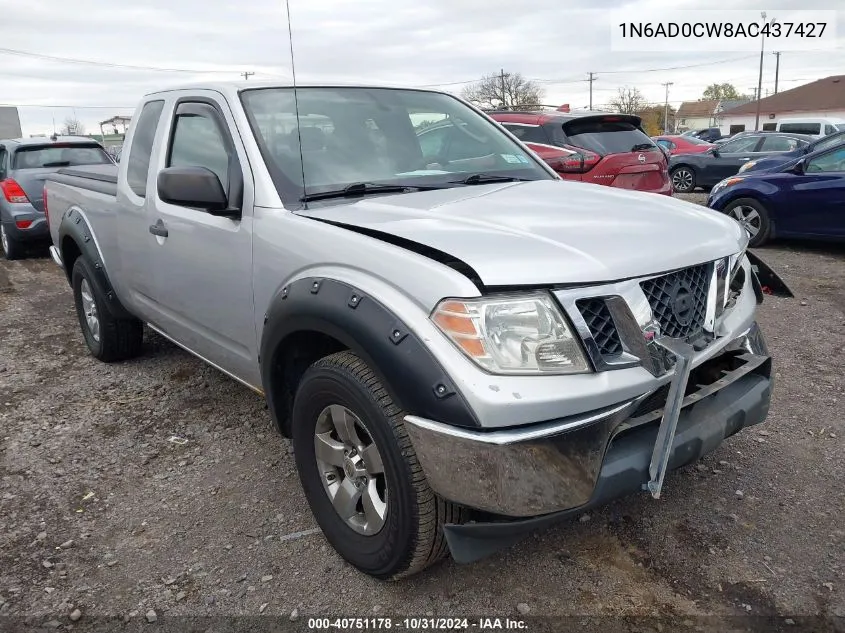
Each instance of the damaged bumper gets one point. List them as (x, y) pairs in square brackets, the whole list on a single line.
[(551, 470)]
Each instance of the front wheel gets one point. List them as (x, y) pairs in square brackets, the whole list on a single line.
[(683, 179), (360, 473), (753, 217)]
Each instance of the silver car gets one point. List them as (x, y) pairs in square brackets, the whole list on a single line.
[(24, 163)]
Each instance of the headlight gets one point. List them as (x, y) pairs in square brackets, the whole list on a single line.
[(730, 280), (747, 166), (727, 182), (512, 334)]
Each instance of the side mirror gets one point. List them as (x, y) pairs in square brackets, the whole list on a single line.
[(714, 151), (195, 187), (798, 168)]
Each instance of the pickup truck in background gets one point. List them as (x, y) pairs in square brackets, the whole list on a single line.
[(24, 164), (461, 346)]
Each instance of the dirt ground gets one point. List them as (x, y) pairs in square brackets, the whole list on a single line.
[(157, 489)]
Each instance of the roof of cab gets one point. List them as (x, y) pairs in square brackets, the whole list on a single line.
[(232, 88)]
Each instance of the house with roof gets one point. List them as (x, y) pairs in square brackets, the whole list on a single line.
[(824, 98), (693, 115)]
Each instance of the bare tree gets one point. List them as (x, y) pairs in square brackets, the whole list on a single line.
[(503, 90), (628, 101), (72, 127)]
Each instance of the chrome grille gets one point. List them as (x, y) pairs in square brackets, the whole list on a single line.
[(600, 322), (686, 288)]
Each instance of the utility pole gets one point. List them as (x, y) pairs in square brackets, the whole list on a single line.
[(754, 92), (591, 80), (760, 76), (666, 109), (777, 70), (246, 75), (504, 94)]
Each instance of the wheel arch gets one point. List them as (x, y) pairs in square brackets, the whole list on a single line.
[(314, 317), (76, 239)]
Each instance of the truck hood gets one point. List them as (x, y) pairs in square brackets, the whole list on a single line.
[(547, 232)]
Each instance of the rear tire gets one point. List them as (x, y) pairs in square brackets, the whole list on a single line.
[(406, 535), (683, 179), (753, 216), (12, 248), (109, 339)]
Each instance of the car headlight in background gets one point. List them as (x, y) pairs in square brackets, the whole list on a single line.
[(747, 166), (727, 182), (512, 334)]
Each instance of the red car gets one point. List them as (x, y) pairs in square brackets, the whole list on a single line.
[(604, 149), (683, 144)]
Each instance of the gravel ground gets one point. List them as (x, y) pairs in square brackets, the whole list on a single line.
[(157, 488)]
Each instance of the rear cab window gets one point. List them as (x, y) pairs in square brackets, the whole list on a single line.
[(59, 155), (138, 166), (604, 136)]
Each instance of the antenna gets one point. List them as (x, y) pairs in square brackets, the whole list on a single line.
[(246, 75), (296, 105)]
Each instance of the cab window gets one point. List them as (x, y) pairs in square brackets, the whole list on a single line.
[(197, 142)]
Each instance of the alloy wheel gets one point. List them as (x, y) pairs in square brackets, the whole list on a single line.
[(351, 469), (682, 180), (748, 217), (89, 308)]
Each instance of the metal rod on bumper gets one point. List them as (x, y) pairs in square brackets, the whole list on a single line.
[(683, 353)]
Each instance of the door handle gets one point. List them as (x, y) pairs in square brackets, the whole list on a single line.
[(746, 158), (158, 229)]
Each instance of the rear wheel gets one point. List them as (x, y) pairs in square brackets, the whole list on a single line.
[(109, 339), (12, 249), (360, 473), (753, 217), (683, 179)]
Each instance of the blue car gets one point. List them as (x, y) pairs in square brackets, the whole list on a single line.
[(803, 198), (778, 160)]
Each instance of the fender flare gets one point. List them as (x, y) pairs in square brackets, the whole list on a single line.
[(406, 367), (75, 227)]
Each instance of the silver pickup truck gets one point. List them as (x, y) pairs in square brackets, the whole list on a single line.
[(461, 346)]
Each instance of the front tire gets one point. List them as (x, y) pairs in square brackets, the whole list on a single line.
[(109, 339), (360, 473), (12, 249), (753, 217), (683, 179)]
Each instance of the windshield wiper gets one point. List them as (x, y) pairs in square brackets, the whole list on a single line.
[(642, 146), (362, 189), (58, 163), (478, 179)]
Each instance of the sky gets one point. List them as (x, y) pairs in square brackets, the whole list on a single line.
[(134, 48)]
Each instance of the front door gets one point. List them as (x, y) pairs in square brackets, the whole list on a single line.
[(815, 201), (203, 262), (732, 155)]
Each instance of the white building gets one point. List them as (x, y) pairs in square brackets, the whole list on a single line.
[(824, 98)]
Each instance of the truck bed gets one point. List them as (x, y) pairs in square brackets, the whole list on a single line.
[(99, 178)]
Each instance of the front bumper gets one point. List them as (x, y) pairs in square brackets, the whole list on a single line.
[(578, 462)]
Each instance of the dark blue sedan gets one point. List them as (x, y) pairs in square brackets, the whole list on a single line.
[(803, 198), (778, 160)]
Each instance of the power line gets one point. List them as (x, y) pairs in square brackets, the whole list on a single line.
[(81, 107), (91, 62)]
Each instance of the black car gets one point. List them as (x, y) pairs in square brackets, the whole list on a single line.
[(772, 162), (709, 134), (689, 171)]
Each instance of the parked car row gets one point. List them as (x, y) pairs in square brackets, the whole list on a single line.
[(800, 193)]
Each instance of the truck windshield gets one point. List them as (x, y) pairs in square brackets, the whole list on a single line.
[(59, 155), (378, 135)]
